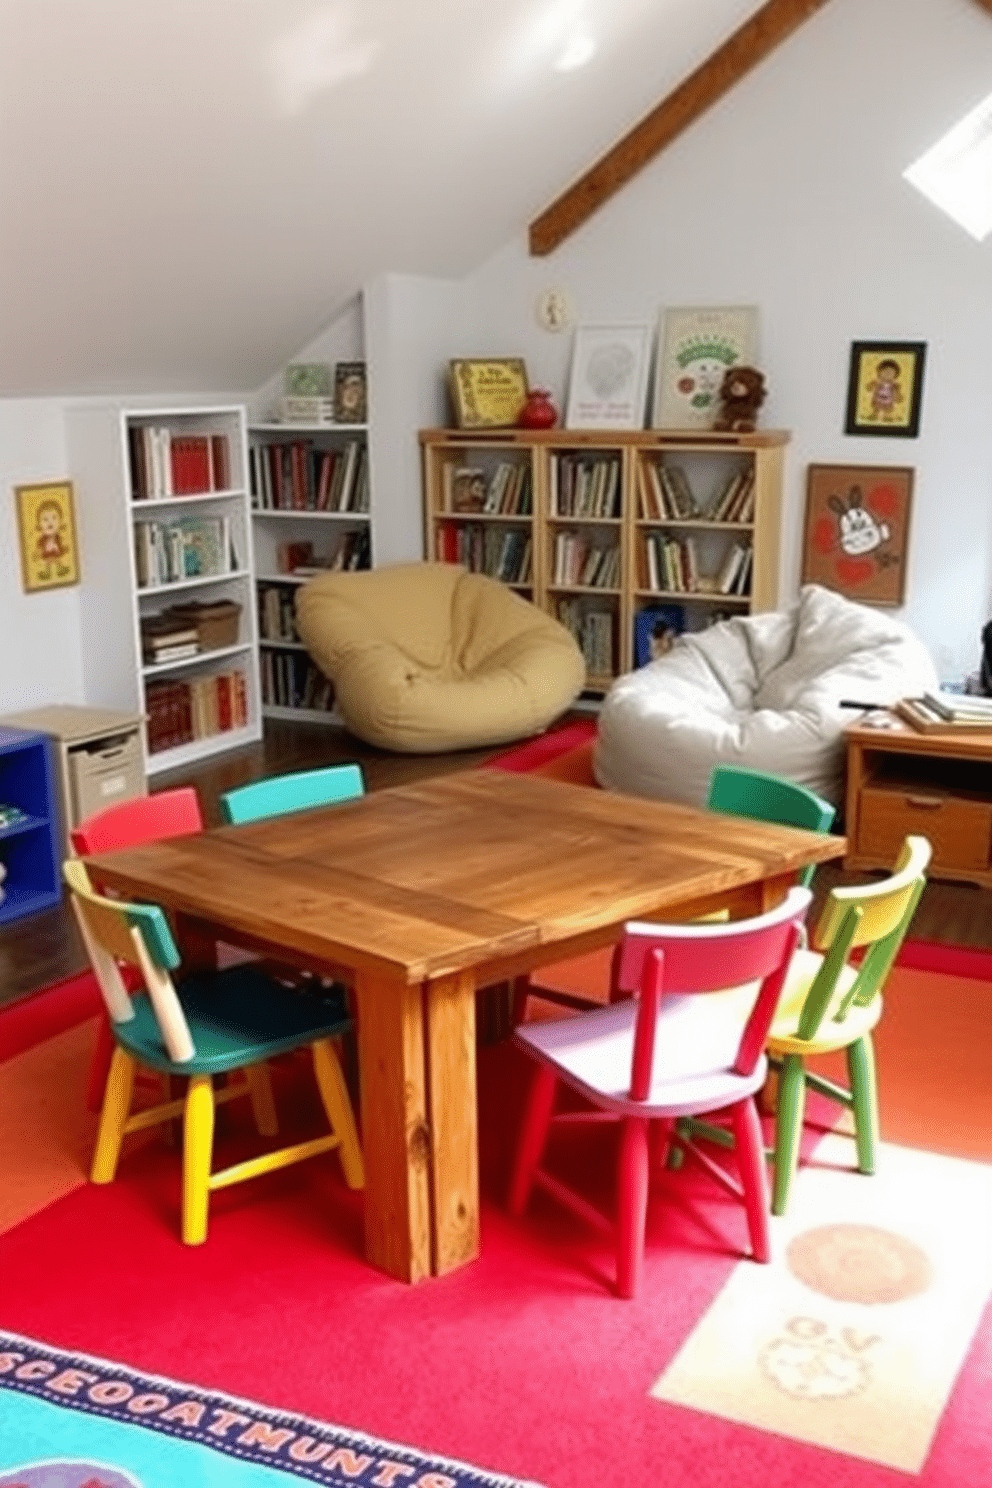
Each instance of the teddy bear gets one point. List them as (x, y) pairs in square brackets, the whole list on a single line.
[(742, 393)]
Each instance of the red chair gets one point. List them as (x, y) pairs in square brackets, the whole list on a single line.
[(173, 813), (666, 1052)]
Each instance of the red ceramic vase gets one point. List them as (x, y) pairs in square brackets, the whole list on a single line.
[(538, 411)]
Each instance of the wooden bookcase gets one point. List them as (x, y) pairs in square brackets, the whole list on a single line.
[(594, 512), (30, 840), (310, 489), (161, 528)]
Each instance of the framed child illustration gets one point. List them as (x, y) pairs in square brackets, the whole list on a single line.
[(885, 388), (47, 531), (857, 530)]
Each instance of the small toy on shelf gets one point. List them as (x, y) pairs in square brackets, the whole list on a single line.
[(742, 393)]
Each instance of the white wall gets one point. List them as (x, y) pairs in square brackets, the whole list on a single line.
[(787, 194)]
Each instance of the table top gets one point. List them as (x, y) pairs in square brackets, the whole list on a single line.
[(432, 878), (898, 737)]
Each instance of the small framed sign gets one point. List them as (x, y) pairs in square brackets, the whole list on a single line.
[(885, 388), (609, 377), (47, 529), (857, 530), (487, 393)]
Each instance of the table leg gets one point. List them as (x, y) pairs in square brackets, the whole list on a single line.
[(395, 1136), (453, 1111)]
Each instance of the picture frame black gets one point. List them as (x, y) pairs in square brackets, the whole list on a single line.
[(885, 388)]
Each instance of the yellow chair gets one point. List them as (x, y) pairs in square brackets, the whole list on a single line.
[(206, 1024), (830, 1003)]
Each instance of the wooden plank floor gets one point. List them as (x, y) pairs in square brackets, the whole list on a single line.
[(43, 948)]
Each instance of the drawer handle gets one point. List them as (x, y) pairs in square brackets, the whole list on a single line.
[(929, 803)]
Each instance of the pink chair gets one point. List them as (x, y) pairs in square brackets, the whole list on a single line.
[(668, 1052), (173, 813)]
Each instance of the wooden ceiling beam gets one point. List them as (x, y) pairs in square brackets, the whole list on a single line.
[(749, 45)]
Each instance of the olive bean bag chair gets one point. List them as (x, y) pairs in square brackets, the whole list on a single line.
[(427, 657), (760, 691)]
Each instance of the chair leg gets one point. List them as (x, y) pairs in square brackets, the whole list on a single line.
[(198, 1142), (262, 1104), (119, 1088), (103, 1052), (864, 1089), (750, 1145), (788, 1127), (632, 1204), (533, 1135), (337, 1104)]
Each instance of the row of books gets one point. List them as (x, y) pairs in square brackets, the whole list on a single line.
[(581, 562), (595, 630), (180, 711), (946, 712), (664, 495), (185, 548), (297, 475), (290, 680), (585, 485), (277, 613), (164, 463), (735, 503), (504, 492), (504, 553), (672, 565)]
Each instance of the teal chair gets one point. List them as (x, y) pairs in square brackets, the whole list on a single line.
[(769, 798), (284, 793)]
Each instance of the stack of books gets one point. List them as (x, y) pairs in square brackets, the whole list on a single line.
[(164, 639), (947, 712)]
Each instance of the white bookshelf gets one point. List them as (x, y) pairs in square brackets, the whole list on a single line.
[(115, 598), (336, 522)]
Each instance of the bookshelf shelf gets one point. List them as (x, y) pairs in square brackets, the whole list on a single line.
[(165, 493), (599, 509), (310, 508)]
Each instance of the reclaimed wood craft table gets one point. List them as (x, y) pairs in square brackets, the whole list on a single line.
[(425, 892)]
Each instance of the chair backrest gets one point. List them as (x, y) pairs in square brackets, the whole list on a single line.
[(704, 957), (769, 798), (874, 915), (136, 935), (171, 813), (285, 793)]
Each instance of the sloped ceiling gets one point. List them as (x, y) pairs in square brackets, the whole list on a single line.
[(191, 190)]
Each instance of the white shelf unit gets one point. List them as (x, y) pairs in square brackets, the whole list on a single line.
[(309, 486), (101, 440)]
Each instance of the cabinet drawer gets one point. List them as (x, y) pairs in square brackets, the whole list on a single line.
[(959, 830)]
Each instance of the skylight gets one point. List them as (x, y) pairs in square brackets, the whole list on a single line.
[(956, 172)]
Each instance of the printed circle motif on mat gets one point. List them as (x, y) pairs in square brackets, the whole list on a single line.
[(859, 1263)]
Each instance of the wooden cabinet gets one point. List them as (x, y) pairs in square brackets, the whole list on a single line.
[(937, 786), (164, 523), (30, 829), (598, 528), (311, 511)]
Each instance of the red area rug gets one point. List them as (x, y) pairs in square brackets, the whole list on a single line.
[(523, 1362)]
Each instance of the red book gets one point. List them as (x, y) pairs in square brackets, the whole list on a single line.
[(224, 710)]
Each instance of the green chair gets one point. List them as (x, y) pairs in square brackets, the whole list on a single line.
[(284, 793), (769, 798)]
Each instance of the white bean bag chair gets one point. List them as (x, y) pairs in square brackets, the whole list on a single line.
[(427, 657), (760, 691)]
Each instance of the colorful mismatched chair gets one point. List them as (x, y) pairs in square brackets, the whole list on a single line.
[(769, 798), (204, 1024), (833, 1003), (172, 813), (284, 793), (680, 1047)]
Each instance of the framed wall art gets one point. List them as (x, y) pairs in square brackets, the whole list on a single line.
[(697, 344), (885, 388), (487, 392), (856, 538), (46, 527), (609, 377)]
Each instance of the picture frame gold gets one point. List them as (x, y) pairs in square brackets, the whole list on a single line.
[(46, 525), (487, 392), (885, 388), (856, 537)]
